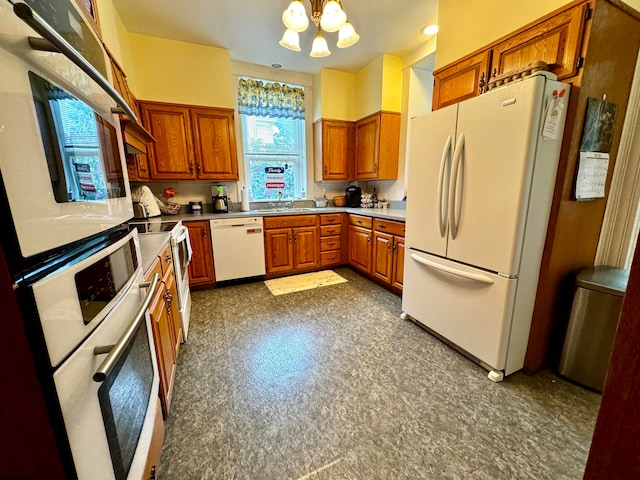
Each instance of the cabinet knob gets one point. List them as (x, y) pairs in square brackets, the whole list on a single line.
[(358, 221), (330, 230), (190, 167), (326, 170), (331, 244), (331, 219), (382, 225), (198, 168), (289, 238), (331, 258), (167, 258)]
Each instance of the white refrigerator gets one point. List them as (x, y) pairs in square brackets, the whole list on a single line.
[(481, 181)]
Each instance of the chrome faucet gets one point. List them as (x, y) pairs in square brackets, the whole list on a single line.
[(279, 198)]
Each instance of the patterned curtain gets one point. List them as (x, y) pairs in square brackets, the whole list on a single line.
[(270, 99)]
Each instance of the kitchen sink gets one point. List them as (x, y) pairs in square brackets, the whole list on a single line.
[(273, 210)]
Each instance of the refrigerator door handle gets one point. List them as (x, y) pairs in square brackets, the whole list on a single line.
[(476, 277), (443, 189), (455, 190)]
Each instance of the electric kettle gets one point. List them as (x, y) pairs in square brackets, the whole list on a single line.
[(220, 202)]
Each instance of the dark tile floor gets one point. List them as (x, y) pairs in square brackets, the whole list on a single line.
[(331, 384)]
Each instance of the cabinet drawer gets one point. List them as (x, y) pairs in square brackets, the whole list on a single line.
[(291, 221), (330, 243), (328, 230), (330, 258), (330, 219), (387, 226), (360, 221), (165, 259)]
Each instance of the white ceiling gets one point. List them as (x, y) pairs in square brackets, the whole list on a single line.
[(251, 29)]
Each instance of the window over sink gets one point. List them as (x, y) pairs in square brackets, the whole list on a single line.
[(273, 134)]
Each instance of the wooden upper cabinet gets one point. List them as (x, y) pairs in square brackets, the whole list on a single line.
[(171, 157), (377, 145), (214, 143), (332, 146), (367, 147), (461, 80), (193, 143), (557, 41)]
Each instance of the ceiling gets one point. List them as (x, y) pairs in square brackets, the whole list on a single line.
[(251, 29)]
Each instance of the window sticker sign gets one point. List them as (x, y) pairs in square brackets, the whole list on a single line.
[(274, 177), (85, 179)]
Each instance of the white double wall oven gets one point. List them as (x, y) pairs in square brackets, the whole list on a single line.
[(64, 204)]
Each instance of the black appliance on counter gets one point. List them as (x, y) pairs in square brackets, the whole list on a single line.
[(353, 196)]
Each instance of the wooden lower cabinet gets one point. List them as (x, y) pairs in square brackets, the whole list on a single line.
[(360, 248), (376, 248), (152, 467), (397, 279), (163, 326), (201, 272), (305, 248), (291, 244), (279, 250), (382, 265)]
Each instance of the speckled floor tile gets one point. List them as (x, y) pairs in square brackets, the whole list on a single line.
[(329, 384)]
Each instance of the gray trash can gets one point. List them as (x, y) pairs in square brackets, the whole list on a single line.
[(592, 325)]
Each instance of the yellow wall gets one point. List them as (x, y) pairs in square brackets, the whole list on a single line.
[(116, 38), (391, 83), (171, 71), (466, 25), (369, 89), (334, 95)]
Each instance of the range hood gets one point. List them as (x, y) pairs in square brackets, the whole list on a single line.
[(135, 136)]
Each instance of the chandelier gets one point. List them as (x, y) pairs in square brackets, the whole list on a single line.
[(327, 15)]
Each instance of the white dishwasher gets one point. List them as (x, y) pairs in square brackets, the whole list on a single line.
[(238, 248)]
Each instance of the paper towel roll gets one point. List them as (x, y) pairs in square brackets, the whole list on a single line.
[(245, 200)]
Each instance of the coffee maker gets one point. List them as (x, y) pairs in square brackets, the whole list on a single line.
[(219, 199), (353, 196)]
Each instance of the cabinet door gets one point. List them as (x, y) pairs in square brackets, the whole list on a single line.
[(171, 157), (164, 345), (142, 164), (360, 248), (397, 279), (367, 145), (152, 466), (215, 144), (382, 266), (556, 41), (333, 144), (279, 249), (461, 80), (171, 297), (306, 247), (201, 266)]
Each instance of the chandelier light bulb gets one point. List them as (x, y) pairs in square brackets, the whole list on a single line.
[(347, 36), (333, 17), (290, 40), (319, 47), (295, 17)]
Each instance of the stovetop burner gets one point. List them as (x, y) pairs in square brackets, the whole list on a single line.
[(153, 226)]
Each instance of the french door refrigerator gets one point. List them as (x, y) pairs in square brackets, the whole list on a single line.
[(481, 182)]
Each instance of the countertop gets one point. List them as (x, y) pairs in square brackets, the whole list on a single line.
[(398, 214), (151, 245)]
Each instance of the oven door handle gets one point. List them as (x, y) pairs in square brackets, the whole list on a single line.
[(184, 242), (28, 16), (115, 351)]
